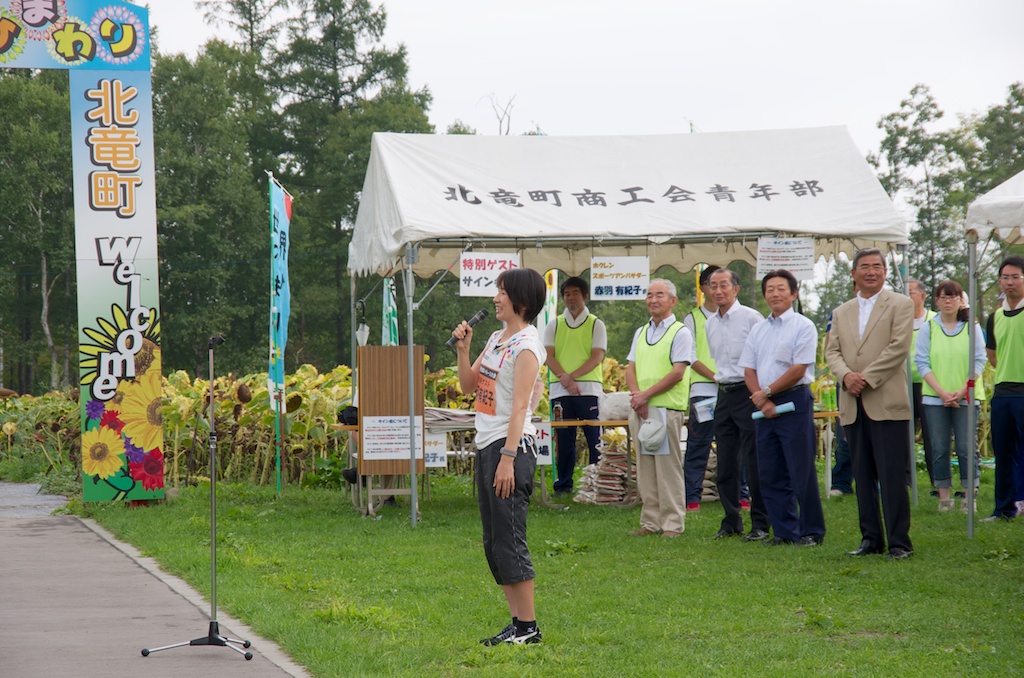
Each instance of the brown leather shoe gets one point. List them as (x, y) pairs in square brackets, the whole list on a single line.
[(670, 534)]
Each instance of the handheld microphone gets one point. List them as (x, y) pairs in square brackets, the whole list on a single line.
[(473, 322)]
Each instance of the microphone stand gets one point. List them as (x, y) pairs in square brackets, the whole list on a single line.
[(213, 636)]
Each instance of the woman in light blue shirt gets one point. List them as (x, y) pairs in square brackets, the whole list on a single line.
[(941, 359)]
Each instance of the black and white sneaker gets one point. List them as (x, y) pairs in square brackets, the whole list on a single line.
[(503, 636), (526, 637)]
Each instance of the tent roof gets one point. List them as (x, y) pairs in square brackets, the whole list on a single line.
[(1000, 211), (679, 199)]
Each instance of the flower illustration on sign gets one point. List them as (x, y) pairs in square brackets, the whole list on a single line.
[(101, 453), (111, 336), (141, 411)]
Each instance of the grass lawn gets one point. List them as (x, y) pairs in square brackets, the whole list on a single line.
[(350, 596)]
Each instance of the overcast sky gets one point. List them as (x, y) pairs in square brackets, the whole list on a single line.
[(598, 67)]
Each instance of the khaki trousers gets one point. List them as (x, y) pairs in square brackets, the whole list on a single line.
[(659, 478)]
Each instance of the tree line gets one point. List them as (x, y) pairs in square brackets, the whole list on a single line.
[(298, 90)]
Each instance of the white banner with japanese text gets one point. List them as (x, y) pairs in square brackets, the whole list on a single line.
[(617, 278), (478, 272), (105, 46)]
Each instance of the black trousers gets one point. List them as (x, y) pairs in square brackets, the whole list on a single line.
[(881, 457), (734, 433), (574, 407)]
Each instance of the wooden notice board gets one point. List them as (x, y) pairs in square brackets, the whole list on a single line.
[(384, 392)]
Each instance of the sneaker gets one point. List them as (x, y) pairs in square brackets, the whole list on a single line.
[(835, 492), (503, 635), (528, 638), (693, 507), (1020, 507), (744, 505), (964, 505), (945, 505)]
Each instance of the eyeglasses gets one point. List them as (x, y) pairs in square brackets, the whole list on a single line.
[(870, 267), (947, 297), (1009, 277)]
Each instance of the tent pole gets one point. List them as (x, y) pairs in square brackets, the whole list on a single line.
[(901, 274), (352, 331), (411, 255), (972, 412)]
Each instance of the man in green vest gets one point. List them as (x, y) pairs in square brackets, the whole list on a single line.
[(656, 373), (1005, 347), (919, 295), (576, 342), (703, 389)]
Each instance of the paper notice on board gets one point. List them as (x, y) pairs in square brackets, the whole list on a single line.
[(388, 437), (795, 255)]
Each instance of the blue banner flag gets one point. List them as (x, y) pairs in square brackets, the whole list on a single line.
[(280, 291)]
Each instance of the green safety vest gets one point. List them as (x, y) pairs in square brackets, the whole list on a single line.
[(914, 375), (946, 355), (703, 350), (1009, 332), (573, 346), (654, 362)]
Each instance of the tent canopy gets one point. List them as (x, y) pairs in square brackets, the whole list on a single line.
[(1000, 211), (679, 199)]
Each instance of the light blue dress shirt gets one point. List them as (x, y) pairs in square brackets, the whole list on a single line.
[(779, 343)]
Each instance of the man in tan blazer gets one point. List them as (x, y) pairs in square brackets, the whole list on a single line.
[(867, 352)]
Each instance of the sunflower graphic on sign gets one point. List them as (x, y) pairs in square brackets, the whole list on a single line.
[(122, 443)]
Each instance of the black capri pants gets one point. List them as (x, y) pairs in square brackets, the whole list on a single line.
[(504, 520)]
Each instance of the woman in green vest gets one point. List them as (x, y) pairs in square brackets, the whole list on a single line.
[(941, 359)]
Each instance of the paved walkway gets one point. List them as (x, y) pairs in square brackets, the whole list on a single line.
[(74, 601)]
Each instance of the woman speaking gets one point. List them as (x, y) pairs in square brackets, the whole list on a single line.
[(503, 379)]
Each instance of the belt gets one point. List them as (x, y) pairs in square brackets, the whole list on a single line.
[(732, 386)]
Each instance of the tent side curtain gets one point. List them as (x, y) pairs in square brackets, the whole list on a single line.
[(1000, 212), (574, 258), (679, 199)]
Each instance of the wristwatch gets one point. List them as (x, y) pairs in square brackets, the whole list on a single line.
[(509, 453), (768, 391)]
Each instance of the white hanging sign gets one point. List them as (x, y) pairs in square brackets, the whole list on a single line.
[(435, 449), (614, 278), (543, 441), (795, 255), (478, 272)]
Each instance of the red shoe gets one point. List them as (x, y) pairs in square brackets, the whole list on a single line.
[(693, 508), (744, 505)]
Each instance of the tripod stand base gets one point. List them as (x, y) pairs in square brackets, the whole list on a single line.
[(211, 638)]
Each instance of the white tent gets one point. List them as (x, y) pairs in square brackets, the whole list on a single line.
[(678, 199), (997, 214)]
